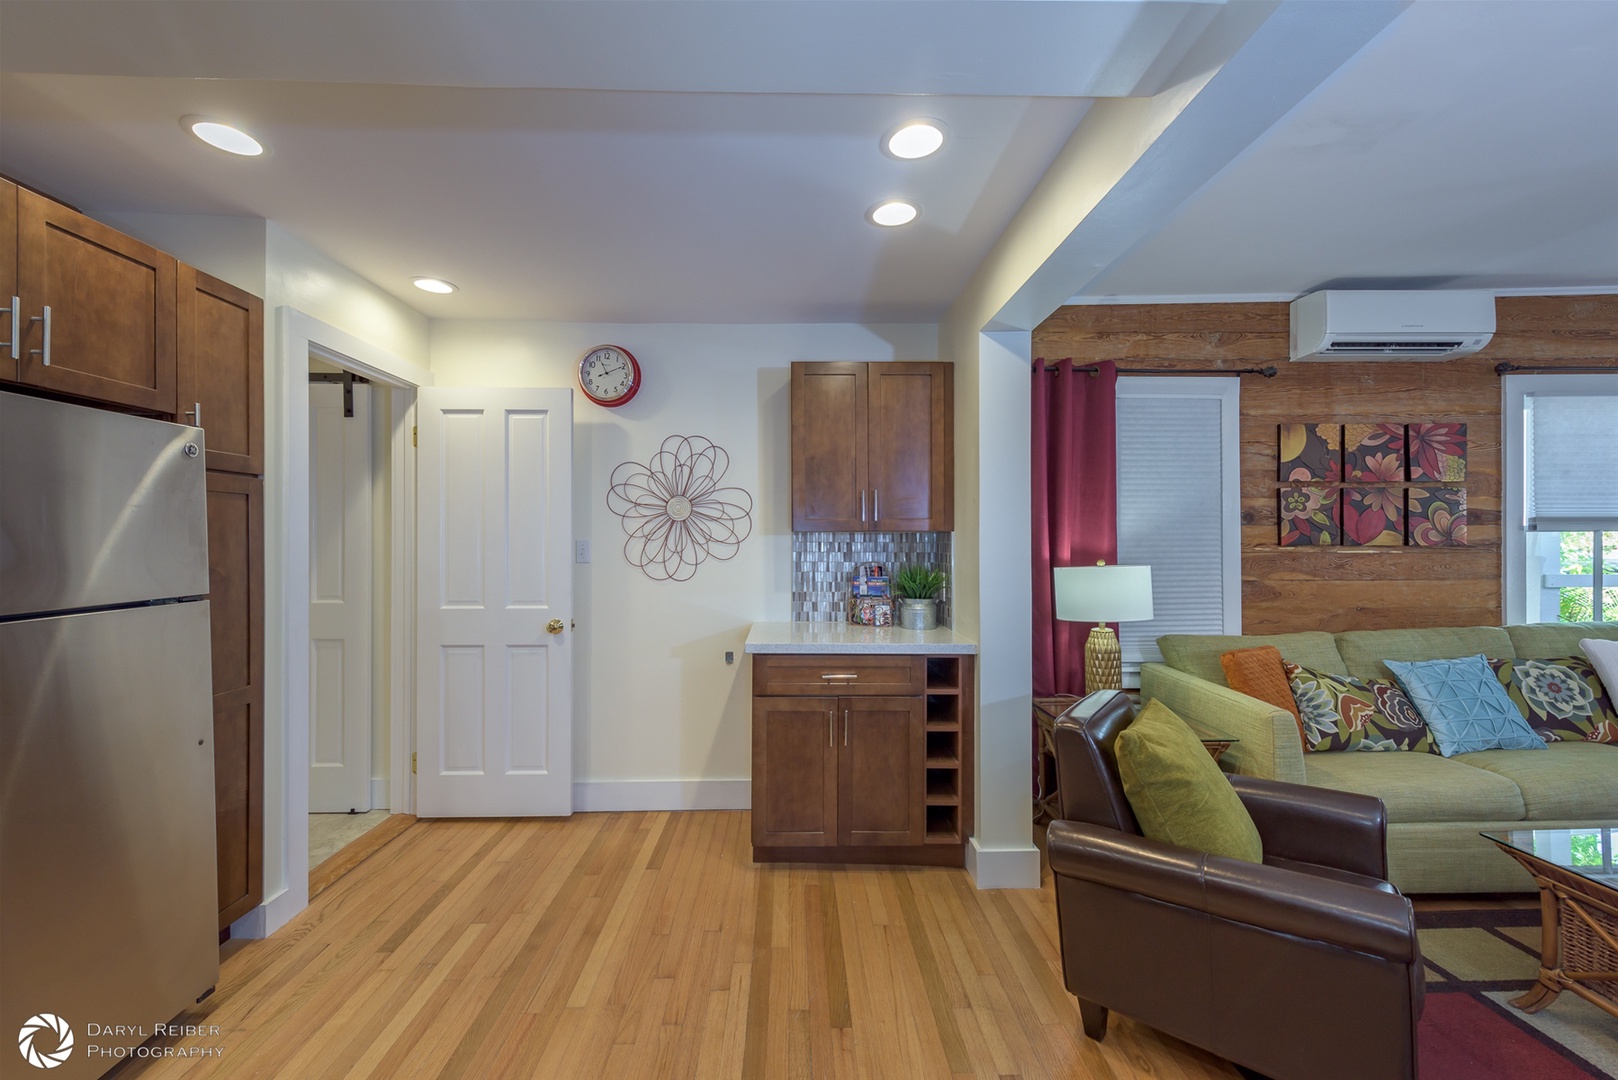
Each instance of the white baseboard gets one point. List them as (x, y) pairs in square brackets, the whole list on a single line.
[(1003, 868), (271, 915), (379, 793), (620, 795)]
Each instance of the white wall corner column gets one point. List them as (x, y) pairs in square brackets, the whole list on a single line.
[(1002, 854)]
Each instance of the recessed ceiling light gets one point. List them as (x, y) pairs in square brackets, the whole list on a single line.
[(226, 137), (434, 285), (893, 212), (914, 139)]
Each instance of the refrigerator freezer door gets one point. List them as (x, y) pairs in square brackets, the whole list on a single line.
[(109, 892), (97, 508)]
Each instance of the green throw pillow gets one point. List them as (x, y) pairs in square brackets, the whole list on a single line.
[(1177, 792)]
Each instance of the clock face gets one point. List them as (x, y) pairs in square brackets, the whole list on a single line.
[(609, 375)]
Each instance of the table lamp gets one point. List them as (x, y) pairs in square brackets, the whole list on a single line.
[(1103, 594)]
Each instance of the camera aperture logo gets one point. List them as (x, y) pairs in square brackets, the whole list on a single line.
[(35, 1041)]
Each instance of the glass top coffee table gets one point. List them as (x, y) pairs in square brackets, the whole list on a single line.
[(1577, 876)]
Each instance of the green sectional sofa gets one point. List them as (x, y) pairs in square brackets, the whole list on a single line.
[(1436, 805)]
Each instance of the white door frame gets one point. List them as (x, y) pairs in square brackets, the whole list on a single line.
[(302, 336)]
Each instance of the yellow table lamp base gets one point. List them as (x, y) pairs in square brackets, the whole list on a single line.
[(1103, 661)]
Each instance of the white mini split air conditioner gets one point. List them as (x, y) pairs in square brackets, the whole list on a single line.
[(1341, 324)]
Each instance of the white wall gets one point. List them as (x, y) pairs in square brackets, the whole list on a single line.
[(660, 719)]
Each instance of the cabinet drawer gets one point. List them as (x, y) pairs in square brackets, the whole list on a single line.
[(843, 674)]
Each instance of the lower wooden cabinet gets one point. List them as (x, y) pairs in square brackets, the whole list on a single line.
[(236, 600), (862, 774)]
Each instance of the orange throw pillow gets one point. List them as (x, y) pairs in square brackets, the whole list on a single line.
[(1258, 673)]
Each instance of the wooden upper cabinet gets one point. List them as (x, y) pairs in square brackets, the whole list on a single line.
[(10, 330), (873, 447), (220, 334), (109, 335), (911, 423)]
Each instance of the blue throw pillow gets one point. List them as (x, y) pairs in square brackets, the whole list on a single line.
[(1464, 705)]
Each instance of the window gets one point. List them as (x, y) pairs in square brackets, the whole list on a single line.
[(1560, 526), (1179, 506)]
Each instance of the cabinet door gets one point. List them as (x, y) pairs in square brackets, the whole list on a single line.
[(829, 448), (236, 602), (111, 328), (794, 771), (911, 423), (220, 341), (9, 330), (883, 771)]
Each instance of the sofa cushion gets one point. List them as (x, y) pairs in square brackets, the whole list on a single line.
[(1340, 712), (1364, 651), (1259, 673), (1421, 787), (1562, 698), (1540, 641), (1177, 792), (1198, 654), (1570, 780), (1465, 705)]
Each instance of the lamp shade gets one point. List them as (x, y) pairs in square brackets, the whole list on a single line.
[(1103, 593)]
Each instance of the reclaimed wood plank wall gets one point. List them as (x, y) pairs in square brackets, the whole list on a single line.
[(1344, 588)]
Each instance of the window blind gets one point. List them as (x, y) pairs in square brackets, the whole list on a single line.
[(1178, 506), (1571, 466)]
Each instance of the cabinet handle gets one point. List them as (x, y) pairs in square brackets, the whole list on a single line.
[(44, 353), (195, 414), (862, 504), (845, 727), (876, 505), (15, 310), (829, 677), (831, 728)]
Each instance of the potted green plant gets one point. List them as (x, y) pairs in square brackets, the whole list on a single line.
[(917, 588)]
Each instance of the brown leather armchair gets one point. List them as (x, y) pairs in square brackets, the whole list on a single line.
[(1304, 968)]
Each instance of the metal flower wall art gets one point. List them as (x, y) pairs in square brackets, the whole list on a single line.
[(674, 510)]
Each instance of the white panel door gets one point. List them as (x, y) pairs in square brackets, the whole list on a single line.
[(494, 593), (339, 600)]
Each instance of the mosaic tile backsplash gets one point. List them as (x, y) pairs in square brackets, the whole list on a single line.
[(823, 565)]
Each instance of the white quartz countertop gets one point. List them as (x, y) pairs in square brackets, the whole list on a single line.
[(830, 637)]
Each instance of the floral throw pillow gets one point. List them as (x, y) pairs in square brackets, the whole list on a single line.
[(1562, 699), (1340, 712)]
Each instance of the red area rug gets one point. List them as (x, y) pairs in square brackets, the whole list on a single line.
[(1477, 961)]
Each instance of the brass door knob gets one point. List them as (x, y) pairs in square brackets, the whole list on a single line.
[(554, 626)]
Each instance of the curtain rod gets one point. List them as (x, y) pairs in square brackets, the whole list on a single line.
[(1268, 372), (1508, 368)]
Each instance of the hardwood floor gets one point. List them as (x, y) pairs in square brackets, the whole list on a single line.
[(650, 945)]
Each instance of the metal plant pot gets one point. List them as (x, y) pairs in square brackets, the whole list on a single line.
[(918, 614)]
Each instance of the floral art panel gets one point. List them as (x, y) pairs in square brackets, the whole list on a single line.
[(1437, 517), (1310, 517), (1312, 452), (1437, 452), (1374, 453), (1374, 516)]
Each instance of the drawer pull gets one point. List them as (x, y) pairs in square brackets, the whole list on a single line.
[(829, 677), (845, 727), (831, 728)]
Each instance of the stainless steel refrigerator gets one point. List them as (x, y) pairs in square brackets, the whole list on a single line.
[(108, 891)]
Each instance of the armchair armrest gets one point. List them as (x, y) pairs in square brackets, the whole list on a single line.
[(1268, 743), (1317, 825), (1268, 898)]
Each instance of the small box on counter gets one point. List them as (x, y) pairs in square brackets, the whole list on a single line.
[(869, 586), (871, 570), (870, 611)]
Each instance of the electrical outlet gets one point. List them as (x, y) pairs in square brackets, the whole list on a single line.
[(730, 658), (581, 551)]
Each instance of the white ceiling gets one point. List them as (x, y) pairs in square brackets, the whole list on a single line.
[(1471, 145), (604, 161)]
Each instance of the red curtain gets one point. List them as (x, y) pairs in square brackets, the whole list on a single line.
[(1075, 504)]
